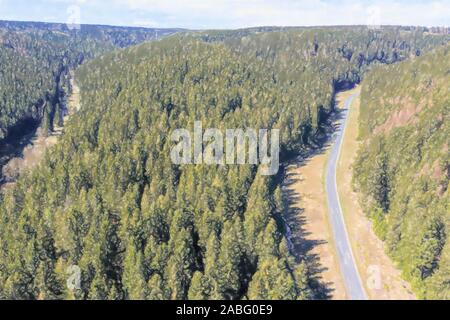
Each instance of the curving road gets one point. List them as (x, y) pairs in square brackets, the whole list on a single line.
[(348, 267)]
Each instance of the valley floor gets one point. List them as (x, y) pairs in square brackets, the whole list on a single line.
[(33, 153), (382, 280), (308, 218)]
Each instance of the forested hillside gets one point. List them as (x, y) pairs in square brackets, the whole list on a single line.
[(319, 61), (403, 167), (35, 60), (109, 200)]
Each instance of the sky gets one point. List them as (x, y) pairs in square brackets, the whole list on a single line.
[(229, 14)]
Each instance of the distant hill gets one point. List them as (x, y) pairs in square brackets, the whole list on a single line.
[(36, 59), (120, 36)]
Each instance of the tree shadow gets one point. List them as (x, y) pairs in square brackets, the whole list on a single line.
[(14, 145), (301, 245)]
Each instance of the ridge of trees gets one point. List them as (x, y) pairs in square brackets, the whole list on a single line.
[(108, 199), (36, 59), (403, 168)]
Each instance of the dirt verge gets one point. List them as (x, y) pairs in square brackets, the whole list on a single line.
[(380, 277)]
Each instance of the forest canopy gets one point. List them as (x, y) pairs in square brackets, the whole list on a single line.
[(403, 168), (109, 200), (36, 59)]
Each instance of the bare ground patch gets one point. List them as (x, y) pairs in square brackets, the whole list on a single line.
[(406, 114), (32, 154)]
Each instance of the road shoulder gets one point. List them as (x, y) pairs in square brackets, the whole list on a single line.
[(308, 217), (382, 280)]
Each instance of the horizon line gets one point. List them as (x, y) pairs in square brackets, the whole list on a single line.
[(226, 29)]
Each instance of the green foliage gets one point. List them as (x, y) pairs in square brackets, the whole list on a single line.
[(36, 59), (403, 168), (140, 227)]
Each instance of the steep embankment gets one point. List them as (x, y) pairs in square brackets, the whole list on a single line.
[(402, 171)]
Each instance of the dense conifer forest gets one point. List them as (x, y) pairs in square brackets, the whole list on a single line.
[(35, 61), (108, 199), (403, 167)]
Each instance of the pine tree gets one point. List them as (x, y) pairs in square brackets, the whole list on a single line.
[(381, 183), (58, 119), (200, 288), (156, 290), (133, 280), (179, 267), (230, 259), (430, 248), (47, 123)]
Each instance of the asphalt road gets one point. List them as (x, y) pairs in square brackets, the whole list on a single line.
[(348, 267)]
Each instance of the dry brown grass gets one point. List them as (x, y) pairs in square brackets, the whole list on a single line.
[(309, 211), (380, 277)]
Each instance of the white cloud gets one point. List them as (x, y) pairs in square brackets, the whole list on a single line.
[(234, 13), (145, 23), (212, 14)]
